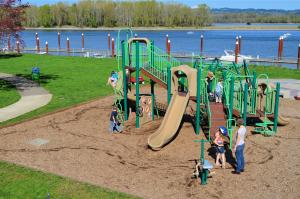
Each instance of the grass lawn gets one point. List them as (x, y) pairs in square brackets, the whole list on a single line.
[(71, 80), (277, 72), (19, 182), (8, 94)]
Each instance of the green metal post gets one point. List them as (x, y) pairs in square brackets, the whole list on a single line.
[(152, 54), (204, 176), (245, 103), (254, 92), (169, 83), (201, 62), (224, 75), (152, 98), (276, 107), (254, 79), (202, 151), (204, 172), (124, 82), (199, 70), (126, 54), (235, 66), (231, 95), (195, 65), (137, 87)]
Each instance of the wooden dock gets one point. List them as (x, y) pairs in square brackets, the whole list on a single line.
[(191, 56)]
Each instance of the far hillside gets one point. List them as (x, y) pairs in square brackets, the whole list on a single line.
[(231, 15)]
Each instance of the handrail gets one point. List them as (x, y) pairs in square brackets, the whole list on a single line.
[(205, 101), (129, 34)]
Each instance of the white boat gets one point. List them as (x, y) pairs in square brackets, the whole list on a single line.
[(230, 57), (97, 55)]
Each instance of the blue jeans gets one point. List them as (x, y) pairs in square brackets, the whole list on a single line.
[(239, 154), (114, 127)]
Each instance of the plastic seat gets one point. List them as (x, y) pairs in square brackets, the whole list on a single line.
[(207, 165)]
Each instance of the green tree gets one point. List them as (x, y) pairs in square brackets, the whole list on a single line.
[(202, 17), (45, 18)]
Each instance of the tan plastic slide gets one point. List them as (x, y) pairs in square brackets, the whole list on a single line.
[(282, 121), (170, 123)]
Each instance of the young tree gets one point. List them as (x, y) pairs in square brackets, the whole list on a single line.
[(11, 18), (203, 16)]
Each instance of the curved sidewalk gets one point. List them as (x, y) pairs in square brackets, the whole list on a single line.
[(32, 97)]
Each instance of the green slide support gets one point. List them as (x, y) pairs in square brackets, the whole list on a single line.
[(152, 98), (137, 86), (124, 83), (169, 83), (276, 108)]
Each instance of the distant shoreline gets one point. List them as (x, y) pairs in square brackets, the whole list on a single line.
[(251, 27)]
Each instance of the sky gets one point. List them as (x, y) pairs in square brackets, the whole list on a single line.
[(264, 4)]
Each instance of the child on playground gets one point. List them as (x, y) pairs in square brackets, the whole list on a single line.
[(114, 123), (112, 80), (219, 141), (219, 91), (209, 78)]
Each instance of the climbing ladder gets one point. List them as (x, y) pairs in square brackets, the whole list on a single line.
[(218, 117)]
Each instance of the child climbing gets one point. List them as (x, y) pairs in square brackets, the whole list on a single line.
[(112, 80), (209, 78), (219, 91), (114, 123), (219, 141)]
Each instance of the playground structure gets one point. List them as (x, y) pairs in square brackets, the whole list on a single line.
[(243, 96)]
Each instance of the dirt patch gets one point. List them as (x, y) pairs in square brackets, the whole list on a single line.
[(80, 147)]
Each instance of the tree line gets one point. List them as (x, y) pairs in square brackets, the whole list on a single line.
[(146, 13), (97, 13)]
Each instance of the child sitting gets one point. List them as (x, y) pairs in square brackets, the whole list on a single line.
[(219, 91), (219, 141), (114, 123)]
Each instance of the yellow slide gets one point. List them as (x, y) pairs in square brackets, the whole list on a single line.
[(171, 121), (282, 121)]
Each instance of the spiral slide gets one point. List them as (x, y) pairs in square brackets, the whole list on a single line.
[(171, 121)]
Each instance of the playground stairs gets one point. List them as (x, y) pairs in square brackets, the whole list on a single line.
[(218, 117), (156, 76)]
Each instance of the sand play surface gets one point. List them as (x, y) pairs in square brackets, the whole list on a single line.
[(76, 143)]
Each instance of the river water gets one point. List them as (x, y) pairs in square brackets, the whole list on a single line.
[(262, 43)]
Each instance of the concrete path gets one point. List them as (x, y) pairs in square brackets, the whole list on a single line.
[(32, 97), (288, 87)]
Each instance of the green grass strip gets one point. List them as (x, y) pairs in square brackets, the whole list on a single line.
[(8, 94), (19, 182)]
